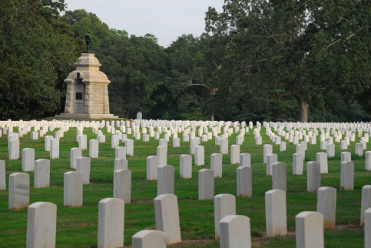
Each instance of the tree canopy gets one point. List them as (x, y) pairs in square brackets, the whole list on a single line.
[(37, 50), (317, 52), (257, 60)]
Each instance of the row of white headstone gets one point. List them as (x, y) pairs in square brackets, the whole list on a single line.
[(190, 132), (200, 173), (232, 230), (121, 163)]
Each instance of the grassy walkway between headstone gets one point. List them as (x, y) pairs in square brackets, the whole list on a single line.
[(77, 227)]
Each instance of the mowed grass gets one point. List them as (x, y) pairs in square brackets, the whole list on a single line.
[(77, 227)]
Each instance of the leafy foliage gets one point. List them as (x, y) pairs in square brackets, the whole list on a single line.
[(37, 51), (311, 50), (257, 60)]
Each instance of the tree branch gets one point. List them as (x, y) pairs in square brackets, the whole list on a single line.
[(350, 36)]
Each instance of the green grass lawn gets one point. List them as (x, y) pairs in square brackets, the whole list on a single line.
[(77, 227)]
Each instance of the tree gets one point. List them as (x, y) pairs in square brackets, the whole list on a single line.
[(314, 51), (37, 51), (184, 86)]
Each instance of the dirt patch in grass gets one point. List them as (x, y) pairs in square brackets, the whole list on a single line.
[(198, 242), (349, 226), (263, 239)]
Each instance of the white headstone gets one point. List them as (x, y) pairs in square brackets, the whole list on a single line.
[(101, 138), (298, 164), (313, 176), (347, 175), (224, 204), (368, 161), (54, 148), (199, 155), (300, 148), (165, 182), (73, 185), (216, 164), (239, 140), (176, 142), (346, 156), (2, 175), (235, 154), (194, 142), (162, 155), (28, 159), (149, 239), (279, 180), (47, 140), (152, 167), (185, 138), (267, 149), (309, 230), (258, 140), (167, 217), (82, 139), (83, 166), (19, 190), (185, 169), (343, 145), (111, 217), (224, 146), (330, 150), (42, 173), (115, 141), (75, 152), (245, 159), (41, 225), (366, 201), (205, 184), (275, 213), (322, 160), (359, 149), (326, 205), (367, 228), (120, 152), (93, 148), (13, 146), (282, 146), (34, 135), (235, 232), (145, 137), (120, 164), (122, 185), (244, 181), (271, 159), (129, 144)]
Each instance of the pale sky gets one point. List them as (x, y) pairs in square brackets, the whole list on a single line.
[(166, 19)]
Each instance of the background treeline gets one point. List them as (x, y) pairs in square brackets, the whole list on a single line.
[(291, 60)]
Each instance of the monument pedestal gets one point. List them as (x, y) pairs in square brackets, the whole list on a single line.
[(87, 91)]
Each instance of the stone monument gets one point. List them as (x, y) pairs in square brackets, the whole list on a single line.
[(87, 90)]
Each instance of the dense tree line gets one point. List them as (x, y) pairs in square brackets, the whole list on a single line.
[(37, 50), (257, 60)]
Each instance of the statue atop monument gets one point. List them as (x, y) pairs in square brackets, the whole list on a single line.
[(87, 41)]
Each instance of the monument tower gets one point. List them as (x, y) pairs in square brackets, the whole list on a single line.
[(87, 89)]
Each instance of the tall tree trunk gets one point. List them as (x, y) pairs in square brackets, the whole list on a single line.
[(212, 116), (303, 110)]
